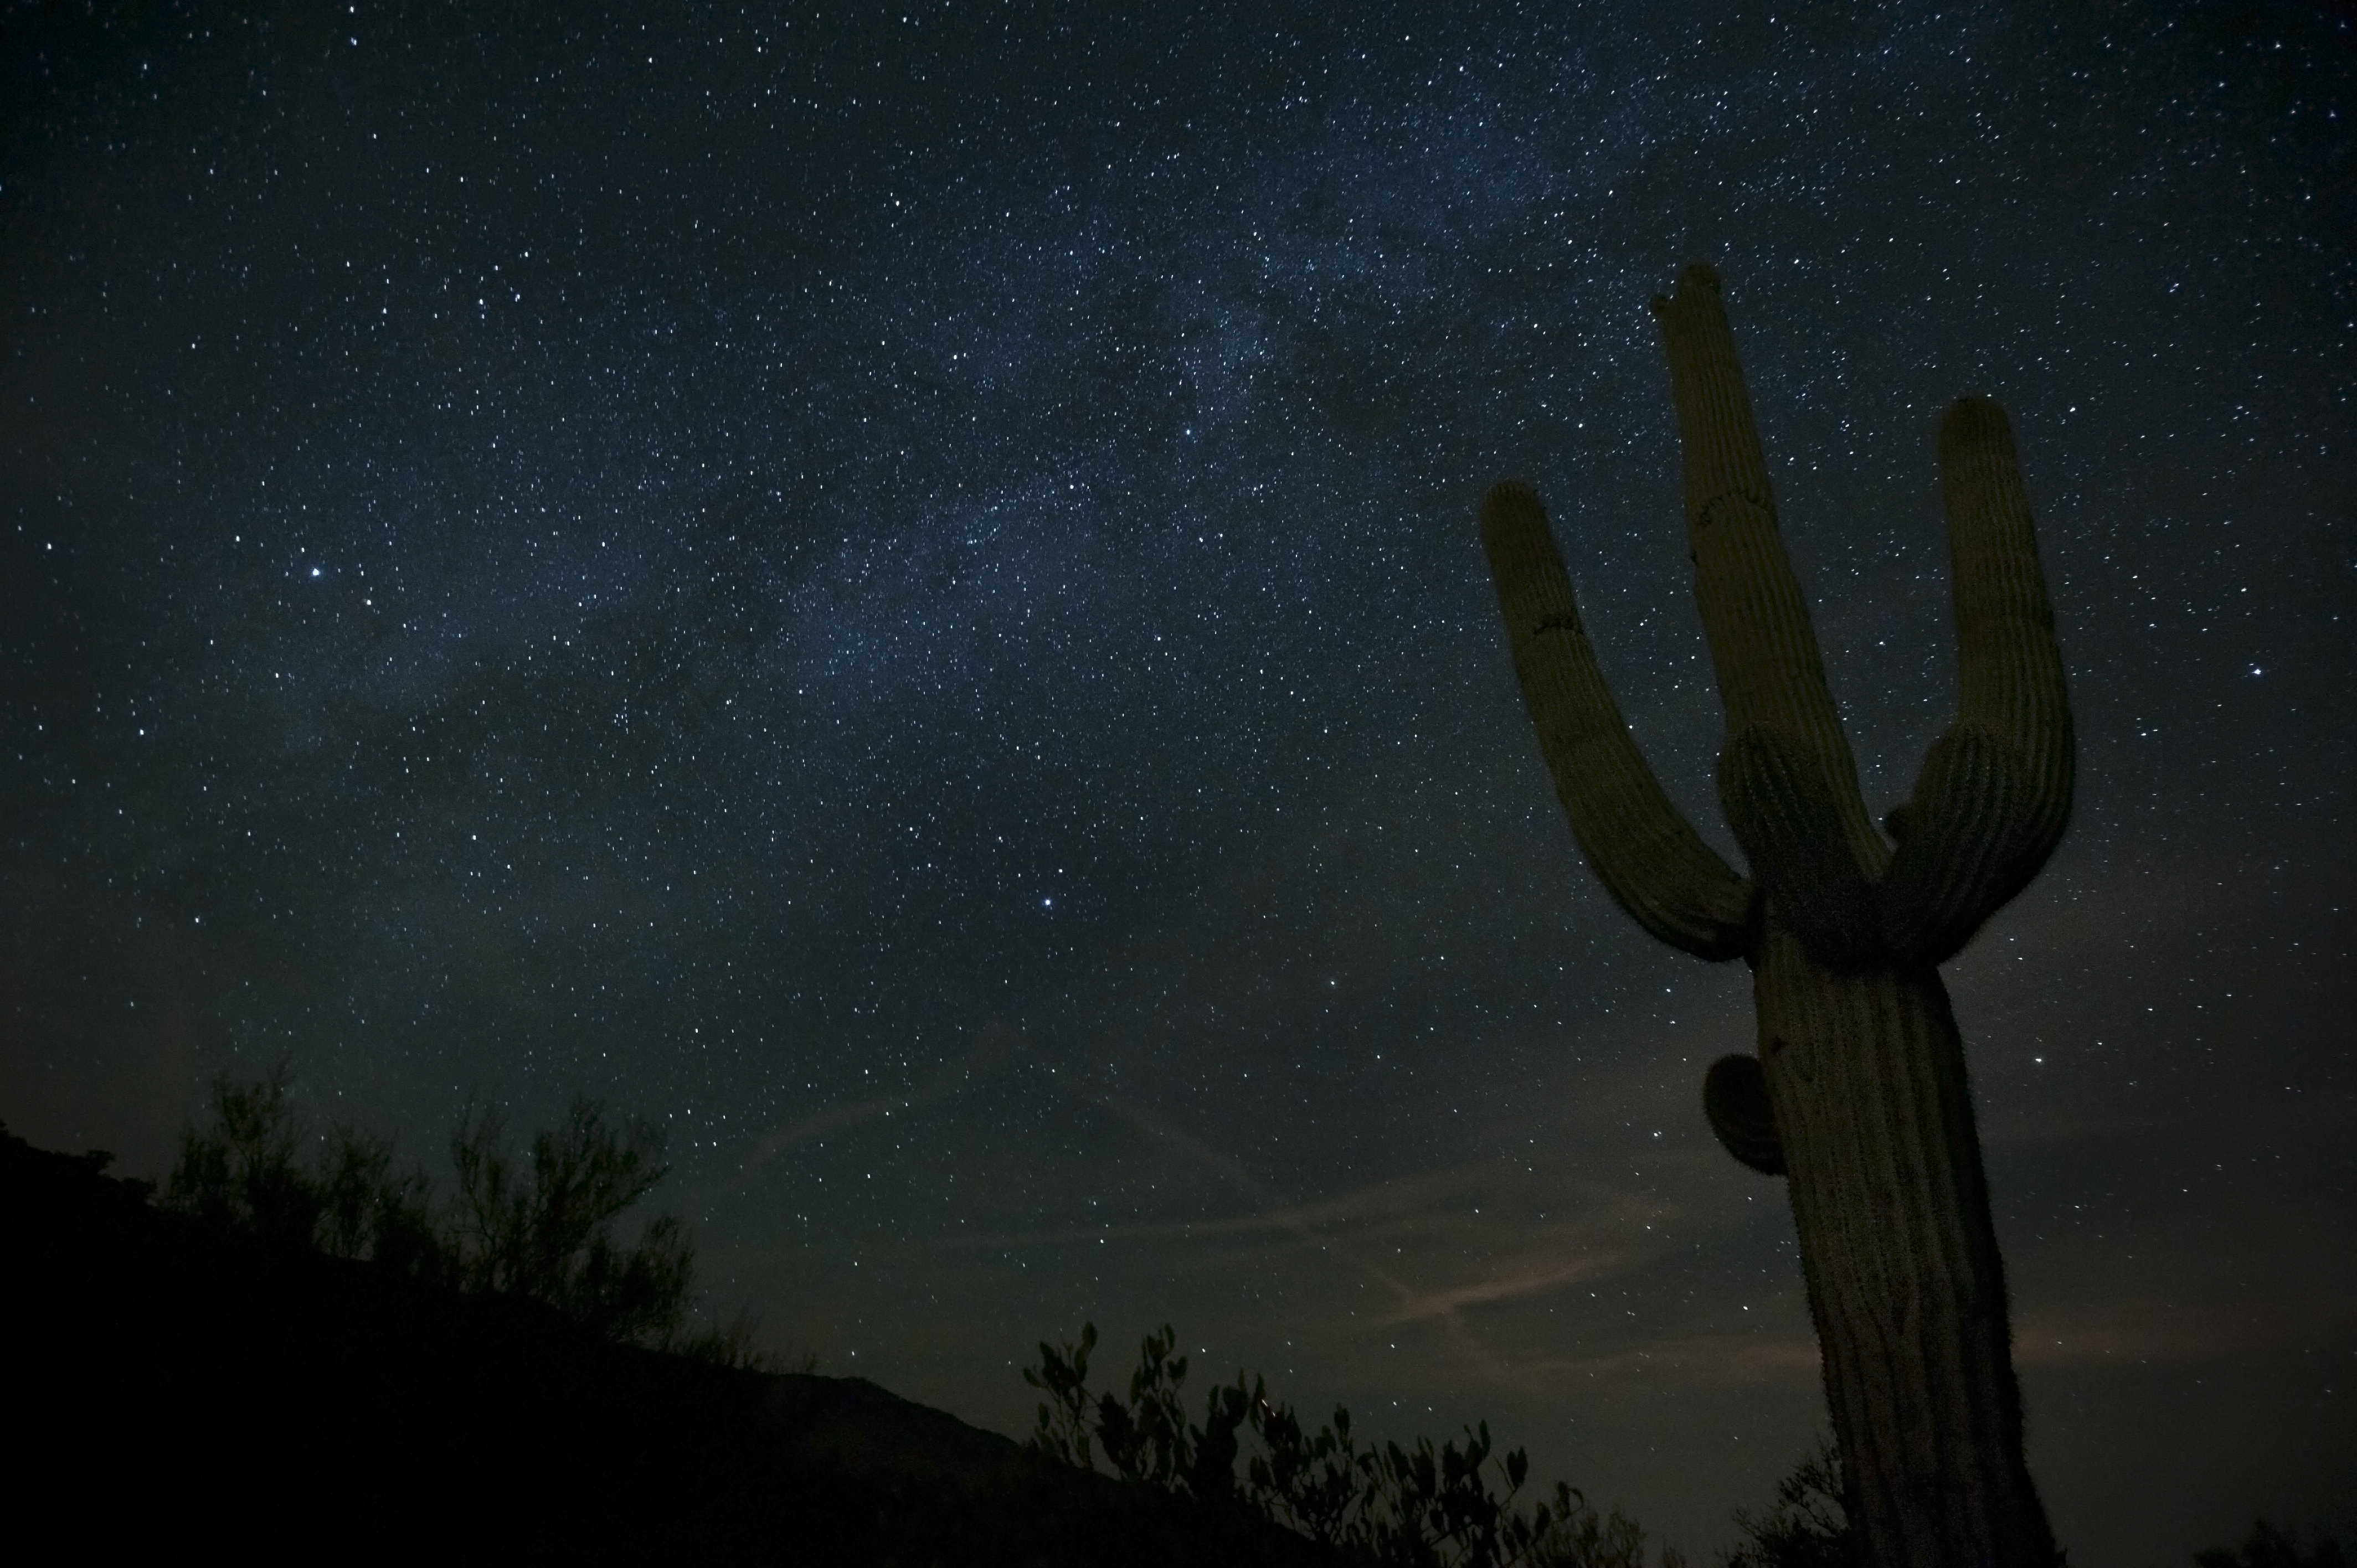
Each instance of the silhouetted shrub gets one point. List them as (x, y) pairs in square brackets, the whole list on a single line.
[(544, 1228), (549, 1233), (730, 1344), (242, 1173), (365, 1211), (2271, 1548), (1809, 1526), (1420, 1507)]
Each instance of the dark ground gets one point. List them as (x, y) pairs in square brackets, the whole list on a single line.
[(177, 1388)]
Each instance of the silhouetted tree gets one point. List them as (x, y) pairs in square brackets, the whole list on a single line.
[(2271, 1548), (542, 1228), (549, 1232), (1416, 1508), (242, 1172), (366, 1210), (1809, 1526)]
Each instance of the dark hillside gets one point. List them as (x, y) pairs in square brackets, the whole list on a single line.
[(182, 1387)]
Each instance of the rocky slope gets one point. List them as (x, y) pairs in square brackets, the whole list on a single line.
[(179, 1389)]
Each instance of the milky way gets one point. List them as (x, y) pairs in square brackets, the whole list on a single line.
[(900, 599)]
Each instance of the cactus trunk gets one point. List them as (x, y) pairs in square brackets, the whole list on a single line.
[(1858, 1095), (1866, 1077)]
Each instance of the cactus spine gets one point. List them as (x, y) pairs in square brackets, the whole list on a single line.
[(1857, 1094)]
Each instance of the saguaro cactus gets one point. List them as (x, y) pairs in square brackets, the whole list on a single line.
[(1857, 1094)]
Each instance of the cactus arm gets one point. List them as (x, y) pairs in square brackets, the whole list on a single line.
[(1787, 780), (1652, 861), (1995, 792), (1735, 1098)]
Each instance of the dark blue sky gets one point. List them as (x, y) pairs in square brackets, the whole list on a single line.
[(899, 598)]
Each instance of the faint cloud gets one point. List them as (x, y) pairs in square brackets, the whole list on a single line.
[(1680, 1363), (998, 1044), (1536, 1272), (2148, 1330), (1557, 1257)]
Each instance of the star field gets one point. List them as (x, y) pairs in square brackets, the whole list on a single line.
[(898, 595)]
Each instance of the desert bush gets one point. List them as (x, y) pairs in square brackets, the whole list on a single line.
[(1808, 1527), (731, 1344), (548, 1232), (244, 1171), (542, 1225), (1417, 1508), (2271, 1548), (365, 1209)]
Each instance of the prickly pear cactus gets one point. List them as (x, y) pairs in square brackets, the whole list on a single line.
[(1857, 1094)]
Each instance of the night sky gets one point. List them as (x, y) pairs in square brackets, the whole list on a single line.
[(899, 596)]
